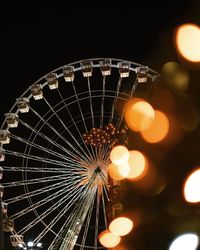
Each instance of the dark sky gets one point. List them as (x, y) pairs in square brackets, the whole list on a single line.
[(34, 42)]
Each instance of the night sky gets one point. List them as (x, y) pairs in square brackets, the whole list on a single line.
[(34, 42)]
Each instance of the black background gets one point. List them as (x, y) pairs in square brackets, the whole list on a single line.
[(35, 41)]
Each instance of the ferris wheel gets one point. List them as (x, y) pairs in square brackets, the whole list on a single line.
[(55, 150)]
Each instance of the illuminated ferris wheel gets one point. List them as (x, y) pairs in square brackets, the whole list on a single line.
[(55, 152)]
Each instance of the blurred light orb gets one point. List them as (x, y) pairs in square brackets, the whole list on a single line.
[(188, 241), (187, 39), (123, 169), (158, 129), (192, 187), (108, 239), (170, 68), (121, 226), (119, 155), (139, 115), (181, 80), (114, 172), (137, 164), (176, 76)]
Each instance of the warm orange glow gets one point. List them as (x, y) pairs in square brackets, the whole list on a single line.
[(107, 239), (139, 115), (121, 226), (192, 187), (188, 42), (120, 247), (148, 182), (158, 130), (119, 155), (118, 172), (124, 169), (138, 165)]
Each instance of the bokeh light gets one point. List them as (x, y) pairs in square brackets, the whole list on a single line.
[(149, 182), (176, 76), (138, 165), (187, 241), (192, 187), (121, 226), (119, 155), (158, 129), (116, 172), (124, 170), (170, 68), (108, 239), (139, 114), (187, 38)]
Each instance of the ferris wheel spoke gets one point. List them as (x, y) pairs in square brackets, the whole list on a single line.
[(52, 223), (80, 212), (87, 224), (82, 115), (73, 156), (36, 192), (78, 215), (32, 144), (79, 107), (134, 88), (79, 155), (37, 204), (75, 125), (68, 131), (38, 169), (55, 242), (46, 160), (106, 153), (102, 101), (57, 165), (48, 200), (98, 153), (104, 208), (99, 191), (124, 107), (75, 198), (102, 154), (91, 106), (45, 201), (115, 100), (32, 207), (58, 238), (36, 180)]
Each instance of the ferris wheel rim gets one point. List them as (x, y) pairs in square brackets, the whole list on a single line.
[(80, 96), (153, 74)]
